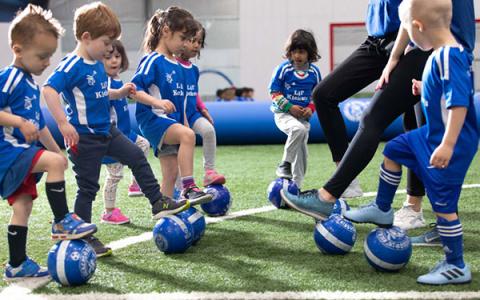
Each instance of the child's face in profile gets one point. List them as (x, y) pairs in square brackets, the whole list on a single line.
[(99, 47), (113, 63), (299, 57), (175, 41), (34, 57)]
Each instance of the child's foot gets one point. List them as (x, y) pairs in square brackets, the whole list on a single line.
[(134, 190), (445, 273), (72, 227), (100, 249), (114, 217), (212, 177), (370, 213), (28, 269), (196, 196), (167, 206), (284, 170)]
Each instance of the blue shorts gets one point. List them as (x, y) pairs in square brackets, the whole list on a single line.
[(443, 197), (154, 130)]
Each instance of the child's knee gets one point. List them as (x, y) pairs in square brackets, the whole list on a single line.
[(448, 217), (188, 136), (300, 131), (56, 163)]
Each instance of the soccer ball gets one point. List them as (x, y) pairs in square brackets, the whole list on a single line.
[(273, 191), (335, 235), (173, 235), (221, 202), (72, 262), (387, 249), (197, 220)]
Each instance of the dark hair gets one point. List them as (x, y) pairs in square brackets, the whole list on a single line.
[(220, 92), (302, 39), (239, 92), (117, 45), (176, 18)]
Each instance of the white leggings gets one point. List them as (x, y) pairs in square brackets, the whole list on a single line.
[(207, 132), (115, 174)]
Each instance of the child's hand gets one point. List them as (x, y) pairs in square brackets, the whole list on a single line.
[(441, 156), (129, 89), (416, 87), (69, 133), (307, 113), (207, 115), (29, 131), (296, 111), (166, 105)]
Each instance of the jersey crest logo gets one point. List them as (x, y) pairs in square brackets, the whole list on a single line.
[(91, 78), (169, 77), (28, 102), (301, 74)]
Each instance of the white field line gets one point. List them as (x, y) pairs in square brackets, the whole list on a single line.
[(22, 290)]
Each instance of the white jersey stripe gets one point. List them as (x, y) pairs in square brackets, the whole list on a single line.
[(70, 66), (6, 87), (150, 64), (15, 83), (446, 54), (439, 63), (145, 62), (81, 106), (65, 62)]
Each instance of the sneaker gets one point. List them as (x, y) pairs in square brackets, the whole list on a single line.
[(28, 269), (353, 190), (99, 247), (196, 196), (212, 177), (134, 190), (406, 218), (284, 170), (167, 206), (430, 238), (445, 273), (72, 227), (308, 203), (370, 213), (114, 217)]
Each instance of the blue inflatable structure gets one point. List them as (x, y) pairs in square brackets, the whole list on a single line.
[(243, 123)]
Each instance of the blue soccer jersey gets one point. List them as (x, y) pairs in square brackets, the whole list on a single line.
[(447, 83), (19, 95), (191, 75), (296, 86), (382, 17), (83, 85), (119, 113)]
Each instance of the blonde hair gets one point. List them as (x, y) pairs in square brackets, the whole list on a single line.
[(31, 21), (97, 19), (433, 13)]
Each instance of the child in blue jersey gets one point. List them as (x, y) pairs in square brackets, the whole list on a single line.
[(82, 82), (441, 151), (116, 62), (160, 81), (199, 121), (291, 89), (33, 37)]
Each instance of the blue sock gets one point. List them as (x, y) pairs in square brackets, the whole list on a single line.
[(387, 186), (451, 234)]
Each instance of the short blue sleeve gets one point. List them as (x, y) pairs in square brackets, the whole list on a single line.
[(145, 75), (58, 81), (457, 82), (276, 84)]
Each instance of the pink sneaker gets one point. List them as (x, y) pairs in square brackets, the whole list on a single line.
[(115, 217), (134, 190), (212, 177)]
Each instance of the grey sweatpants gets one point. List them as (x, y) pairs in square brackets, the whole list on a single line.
[(207, 132), (295, 151)]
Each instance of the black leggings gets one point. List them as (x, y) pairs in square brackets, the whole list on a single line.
[(361, 68)]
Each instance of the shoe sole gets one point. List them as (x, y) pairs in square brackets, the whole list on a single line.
[(283, 175), (201, 200), (47, 279), (379, 225), (135, 194), (109, 252), (164, 213), (219, 181), (436, 284), (62, 237), (114, 223), (305, 212)]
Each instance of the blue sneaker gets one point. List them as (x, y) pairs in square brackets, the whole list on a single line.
[(430, 238), (29, 268), (445, 273), (370, 213), (72, 227), (309, 203)]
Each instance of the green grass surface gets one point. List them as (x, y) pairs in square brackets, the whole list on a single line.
[(272, 251)]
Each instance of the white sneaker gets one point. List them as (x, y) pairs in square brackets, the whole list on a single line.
[(353, 190), (406, 218)]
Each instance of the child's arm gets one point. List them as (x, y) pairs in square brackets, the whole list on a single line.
[(27, 128), (46, 138), (443, 153), (69, 132), (285, 106), (416, 87), (128, 89), (202, 108), (147, 99)]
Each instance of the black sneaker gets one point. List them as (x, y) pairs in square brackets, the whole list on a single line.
[(167, 206), (196, 196), (284, 170), (98, 246)]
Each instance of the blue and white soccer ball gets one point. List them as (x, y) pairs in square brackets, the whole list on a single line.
[(197, 220), (221, 202), (274, 188), (72, 263), (173, 235), (335, 235), (387, 249)]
